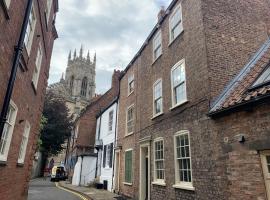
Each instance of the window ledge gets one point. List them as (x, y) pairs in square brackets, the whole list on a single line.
[(20, 164), (129, 134), (34, 88), (126, 183), (179, 104), (3, 163), (160, 183), (130, 93), (154, 61), (171, 42), (184, 187), (157, 115)]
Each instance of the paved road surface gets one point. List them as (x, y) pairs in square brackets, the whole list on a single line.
[(45, 190)]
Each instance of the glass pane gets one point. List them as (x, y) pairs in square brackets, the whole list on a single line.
[(180, 93)]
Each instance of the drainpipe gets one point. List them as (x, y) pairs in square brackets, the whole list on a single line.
[(18, 52)]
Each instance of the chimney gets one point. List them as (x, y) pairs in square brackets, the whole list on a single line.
[(115, 79), (161, 13)]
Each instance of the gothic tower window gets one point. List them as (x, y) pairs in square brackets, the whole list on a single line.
[(84, 87), (71, 83)]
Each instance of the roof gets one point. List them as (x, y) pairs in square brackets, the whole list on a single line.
[(244, 88), (156, 27)]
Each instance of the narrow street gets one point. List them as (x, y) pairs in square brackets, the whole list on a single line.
[(40, 189)]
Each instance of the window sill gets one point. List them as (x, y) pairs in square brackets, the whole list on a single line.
[(130, 93), (20, 164), (3, 163), (126, 183), (184, 187), (154, 61), (157, 115), (129, 134), (34, 88), (160, 183), (179, 104), (171, 42)]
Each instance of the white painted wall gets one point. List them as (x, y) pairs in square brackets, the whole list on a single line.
[(107, 137)]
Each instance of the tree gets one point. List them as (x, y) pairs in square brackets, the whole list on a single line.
[(56, 124)]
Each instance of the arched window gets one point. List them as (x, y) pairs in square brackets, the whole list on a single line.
[(84, 87), (71, 83)]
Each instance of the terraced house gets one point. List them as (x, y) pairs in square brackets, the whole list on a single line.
[(181, 135), (29, 26)]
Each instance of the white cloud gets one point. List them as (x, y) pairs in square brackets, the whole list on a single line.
[(114, 29)]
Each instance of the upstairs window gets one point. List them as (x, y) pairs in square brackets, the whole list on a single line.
[(159, 175), (175, 23), (24, 143), (263, 78), (37, 66), (178, 84), (130, 120), (157, 46), (130, 84), (8, 131), (84, 87), (48, 10), (157, 93), (110, 121), (30, 30)]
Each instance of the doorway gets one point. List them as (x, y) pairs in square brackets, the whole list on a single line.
[(116, 171), (265, 158), (145, 172)]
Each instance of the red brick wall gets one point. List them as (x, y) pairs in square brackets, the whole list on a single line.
[(14, 179)]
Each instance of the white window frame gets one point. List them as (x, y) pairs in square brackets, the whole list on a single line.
[(8, 135), (48, 10), (155, 114), (156, 180), (157, 46), (178, 183), (180, 64), (128, 183), (7, 3), (108, 156), (133, 120), (130, 80), (38, 64), (110, 121), (24, 143), (177, 9), (30, 30)]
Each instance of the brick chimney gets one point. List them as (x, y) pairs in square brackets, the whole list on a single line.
[(161, 13), (115, 79)]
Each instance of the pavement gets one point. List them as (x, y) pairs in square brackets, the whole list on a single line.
[(40, 189), (90, 192)]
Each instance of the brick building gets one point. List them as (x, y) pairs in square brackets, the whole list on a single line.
[(18, 141), (82, 141), (168, 146)]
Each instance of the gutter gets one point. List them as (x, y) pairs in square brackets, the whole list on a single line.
[(18, 52)]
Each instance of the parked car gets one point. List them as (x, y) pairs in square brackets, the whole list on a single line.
[(58, 173)]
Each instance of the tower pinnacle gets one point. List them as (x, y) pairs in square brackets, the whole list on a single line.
[(75, 54), (88, 57), (81, 51)]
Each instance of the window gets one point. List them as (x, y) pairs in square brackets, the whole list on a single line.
[(110, 120), (130, 84), (107, 155), (159, 174), (24, 142), (84, 87), (71, 84), (7, 3), (48, 10), (176, 23), (37, 66), (157, 93), (263, 78), (178, 83), (128, 166), (130, 120), (157, 46), (183, 172), (30, 30), (8, 131)]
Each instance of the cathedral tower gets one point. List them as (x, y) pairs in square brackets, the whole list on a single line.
[(80, 76)]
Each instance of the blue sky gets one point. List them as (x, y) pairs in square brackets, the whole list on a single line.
[(114, 30)]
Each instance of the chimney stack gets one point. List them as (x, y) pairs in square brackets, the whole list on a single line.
[(161, 13)]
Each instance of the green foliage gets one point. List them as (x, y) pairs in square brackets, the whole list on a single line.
[(56, 125)]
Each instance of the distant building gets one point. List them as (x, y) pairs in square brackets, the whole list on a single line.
[(21, 130)]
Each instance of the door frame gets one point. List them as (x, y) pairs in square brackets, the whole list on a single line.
[(142, 184), (266, 174), (117, 161)]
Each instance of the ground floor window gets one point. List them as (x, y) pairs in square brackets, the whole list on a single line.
[(159, 174), (128, 166)]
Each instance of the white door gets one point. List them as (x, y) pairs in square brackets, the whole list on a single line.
[(265, 157)]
